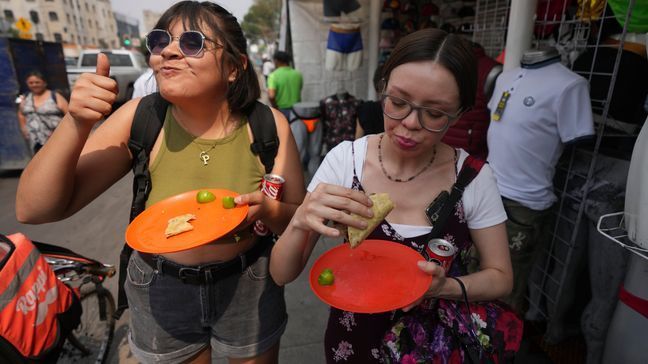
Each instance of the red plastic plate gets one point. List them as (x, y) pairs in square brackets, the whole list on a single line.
[(378, 276)]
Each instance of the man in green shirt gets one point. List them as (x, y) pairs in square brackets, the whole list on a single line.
[(284, 91), (284, 84)]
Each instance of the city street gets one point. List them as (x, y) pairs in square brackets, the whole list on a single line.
[(97, 231)]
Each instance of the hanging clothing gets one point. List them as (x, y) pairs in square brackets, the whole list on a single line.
[(630, 88), (343, 49), (469, 132), (339, 115), (337, 7), (535, 112)]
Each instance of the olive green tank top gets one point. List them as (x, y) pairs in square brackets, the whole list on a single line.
[(178, 167)]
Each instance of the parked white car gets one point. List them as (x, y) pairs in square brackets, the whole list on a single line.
[(125, 67)]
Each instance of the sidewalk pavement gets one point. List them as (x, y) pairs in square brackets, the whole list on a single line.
[(303, 341)]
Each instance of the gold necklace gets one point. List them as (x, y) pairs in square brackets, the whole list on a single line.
[(393, 179), (204, 154)]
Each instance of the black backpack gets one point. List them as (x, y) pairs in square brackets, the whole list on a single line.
[(147, 123)]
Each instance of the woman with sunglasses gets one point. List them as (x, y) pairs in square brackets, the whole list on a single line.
[(198, 55), (428, 81)]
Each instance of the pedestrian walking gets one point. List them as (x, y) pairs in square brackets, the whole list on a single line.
[(40, 111), (429, 80), (266, 68), (229, 305)]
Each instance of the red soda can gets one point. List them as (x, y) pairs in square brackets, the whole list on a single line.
[(441, 252), (271, 186)]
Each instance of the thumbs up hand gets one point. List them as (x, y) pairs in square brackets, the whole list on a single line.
[(93, 94)]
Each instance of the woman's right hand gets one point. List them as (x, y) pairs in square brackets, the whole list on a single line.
[(93, 94), (332, 203)]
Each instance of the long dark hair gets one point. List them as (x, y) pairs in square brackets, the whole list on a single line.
[(449, 50), (244, 90)]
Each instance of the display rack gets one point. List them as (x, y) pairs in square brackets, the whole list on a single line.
[(490, 25), (612, 226), (573, 30), (559, 255)]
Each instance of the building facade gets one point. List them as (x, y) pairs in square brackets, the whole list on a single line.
[(81, 23), (150, 19), (127, 29)]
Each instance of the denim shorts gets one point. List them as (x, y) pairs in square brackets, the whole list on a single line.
[(239, 316)]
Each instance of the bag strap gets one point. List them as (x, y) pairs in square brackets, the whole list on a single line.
[(264, 131), (147, 123), (469, 170), (480, 357)]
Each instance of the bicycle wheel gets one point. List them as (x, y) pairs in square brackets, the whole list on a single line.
[(91, 340)]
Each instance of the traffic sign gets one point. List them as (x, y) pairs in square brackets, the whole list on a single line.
[(23, 25)]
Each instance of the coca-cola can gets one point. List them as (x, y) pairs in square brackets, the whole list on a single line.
[(271, 186), (441, 252)]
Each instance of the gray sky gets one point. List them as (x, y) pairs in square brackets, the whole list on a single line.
[(134, 7)]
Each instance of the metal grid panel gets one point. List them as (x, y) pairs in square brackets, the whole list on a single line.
[(491, 22), (563, 252)]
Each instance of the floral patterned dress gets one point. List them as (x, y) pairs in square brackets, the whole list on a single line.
[(381, 338)]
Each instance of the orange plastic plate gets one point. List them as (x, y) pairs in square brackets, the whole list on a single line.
[(146, 232), (378, 276)]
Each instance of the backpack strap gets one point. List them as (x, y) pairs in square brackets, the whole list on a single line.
[(147, 123), (264, 130), (469, 170)]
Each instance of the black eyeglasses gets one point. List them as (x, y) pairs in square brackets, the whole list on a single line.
[(191, 42), (429, 118)]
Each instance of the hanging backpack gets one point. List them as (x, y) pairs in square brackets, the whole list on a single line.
[(37, 311), (147, 123)]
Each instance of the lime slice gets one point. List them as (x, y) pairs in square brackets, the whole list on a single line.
[(326, 278), (228, 202), (205, 196)]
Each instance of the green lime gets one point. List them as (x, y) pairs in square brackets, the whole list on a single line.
[(205, 196), (228, 202), (326, 278)]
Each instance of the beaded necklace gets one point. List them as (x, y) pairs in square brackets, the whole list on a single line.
[(384, 171)]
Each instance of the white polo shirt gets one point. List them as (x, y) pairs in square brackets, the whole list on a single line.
[(547, 107)]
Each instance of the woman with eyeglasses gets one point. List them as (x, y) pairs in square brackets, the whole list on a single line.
[(216, 297), (428, 81)]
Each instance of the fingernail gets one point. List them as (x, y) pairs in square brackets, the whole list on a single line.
[(370, 212), (237, 200), (421, 263)]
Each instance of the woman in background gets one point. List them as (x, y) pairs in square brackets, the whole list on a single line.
[(40, 111)]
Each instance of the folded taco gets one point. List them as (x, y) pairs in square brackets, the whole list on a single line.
[(382, 205), (179, 224)]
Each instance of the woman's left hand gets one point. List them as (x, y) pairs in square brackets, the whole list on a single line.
[(438, 281), (258, 203)]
